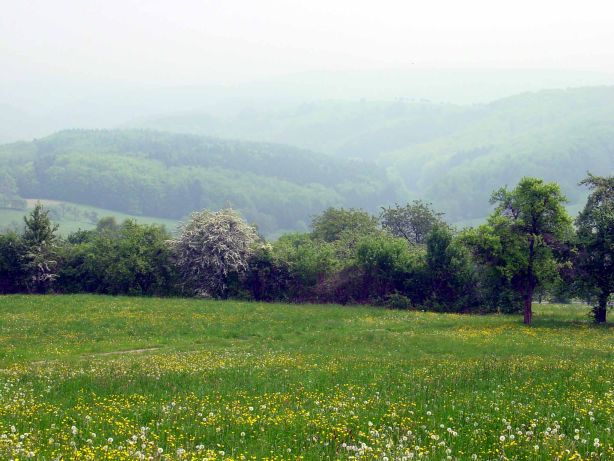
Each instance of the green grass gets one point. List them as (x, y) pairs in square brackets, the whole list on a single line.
[(75, 216), (232, 380)]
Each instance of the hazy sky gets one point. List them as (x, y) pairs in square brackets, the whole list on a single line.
[(194, 42)]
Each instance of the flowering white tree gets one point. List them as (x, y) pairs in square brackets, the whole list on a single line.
[(211, 246)]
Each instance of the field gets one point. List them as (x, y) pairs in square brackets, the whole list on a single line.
[(91, 377), (74, 216)]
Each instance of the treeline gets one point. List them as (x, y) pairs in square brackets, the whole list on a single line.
[(406, 258)]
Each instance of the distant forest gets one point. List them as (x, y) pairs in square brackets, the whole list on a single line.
[(169, 175), (350, 154)]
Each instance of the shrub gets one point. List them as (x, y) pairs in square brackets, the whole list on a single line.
[(211, 246)]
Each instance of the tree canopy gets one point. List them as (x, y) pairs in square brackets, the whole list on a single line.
[(595, 236)]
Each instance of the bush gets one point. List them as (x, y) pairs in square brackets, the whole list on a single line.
[(398, 301), (132, 259), (389, 266), (11, 272), (309, 262), (267, 277), (211, 247), (450, 272)]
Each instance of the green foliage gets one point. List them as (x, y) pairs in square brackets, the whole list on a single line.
[(39, 257), (309, 262), (338, 224), (268, 276), (595, 238), (129, 259), (11, 270), (523, 250), (495, 290), (38, 228), (450, 272), (413, 222), (389, 265), (398, 301), (450, 155), (169, 176), (9, 197), (522, 235)]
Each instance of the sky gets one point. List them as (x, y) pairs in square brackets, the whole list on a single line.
[(200, 42), (104, 63)]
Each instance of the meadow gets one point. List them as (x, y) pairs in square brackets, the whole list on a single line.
[(72, 217), (111, 378)]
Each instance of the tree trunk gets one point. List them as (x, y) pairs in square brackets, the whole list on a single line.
[(528, 307), (528, 296), (601, 308)]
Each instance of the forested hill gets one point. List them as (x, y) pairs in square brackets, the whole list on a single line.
[(449, 154), (169, 175), (374, 153)]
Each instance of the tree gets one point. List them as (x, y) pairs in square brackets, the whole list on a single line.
[(39, 250), (107, 224), (210, 247), (522, 236), (38, 227), (595, 237), (449, 271), (413, 222), (336, 223)]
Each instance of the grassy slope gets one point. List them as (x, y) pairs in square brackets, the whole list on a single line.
[(281, 381), (70, 223)]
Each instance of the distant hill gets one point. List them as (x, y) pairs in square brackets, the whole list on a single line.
[(451, 155), (373, 153), (29, 109), (157, 174)]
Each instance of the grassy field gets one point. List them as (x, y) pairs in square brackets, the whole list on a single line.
[(91, 377), (74, 216)]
